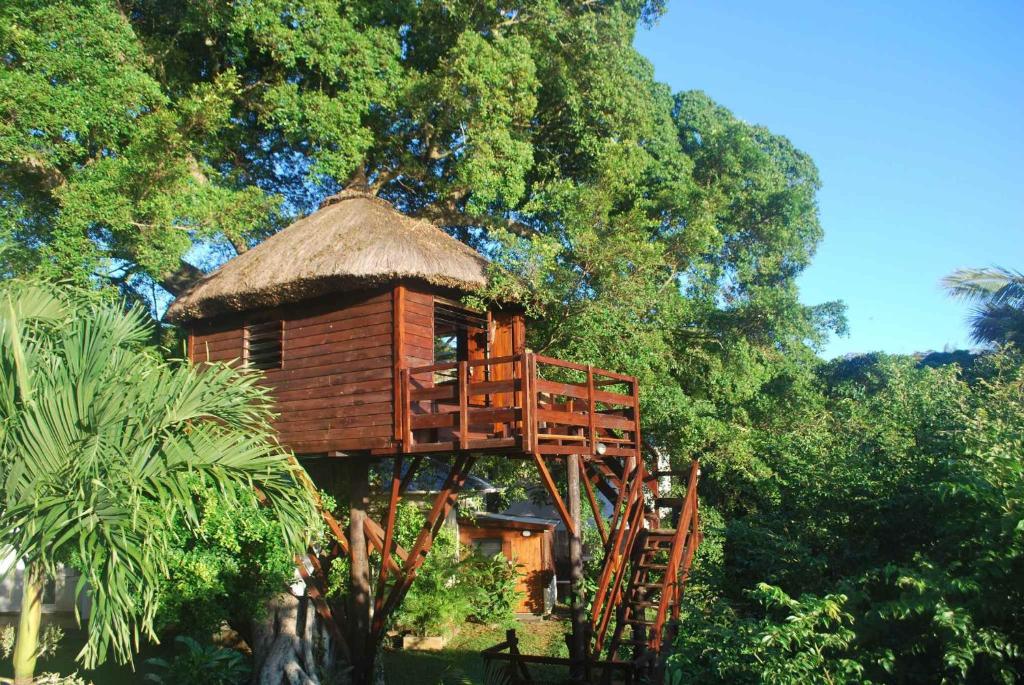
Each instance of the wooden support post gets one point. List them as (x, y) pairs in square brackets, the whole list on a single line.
[(397, 357), (578, 639), (389, 532), (556, 497), (595, 508), (359, 577), (444, 501)]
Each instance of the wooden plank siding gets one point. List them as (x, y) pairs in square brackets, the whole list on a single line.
[(335, 388)]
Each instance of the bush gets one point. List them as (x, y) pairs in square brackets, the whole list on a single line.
[(450, 590), (199, 664), (225, 570), (490, 583)]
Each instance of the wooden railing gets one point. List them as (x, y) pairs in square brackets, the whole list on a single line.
[(525, 402), (517, 666)]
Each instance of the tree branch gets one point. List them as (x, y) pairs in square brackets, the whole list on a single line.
[(181, 279)]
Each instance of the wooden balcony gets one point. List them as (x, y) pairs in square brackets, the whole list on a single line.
[(525, 404)]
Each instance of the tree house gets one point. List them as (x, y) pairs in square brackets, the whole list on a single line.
[(354, 315)]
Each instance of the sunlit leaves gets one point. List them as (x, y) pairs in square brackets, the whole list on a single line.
[(103, 445)]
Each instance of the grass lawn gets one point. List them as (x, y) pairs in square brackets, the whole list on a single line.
[(460, 662)]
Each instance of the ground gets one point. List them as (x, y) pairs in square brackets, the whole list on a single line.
[(460, 662)]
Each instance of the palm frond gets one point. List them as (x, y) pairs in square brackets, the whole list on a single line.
[(998, 294), (996, 285), (101, 443)]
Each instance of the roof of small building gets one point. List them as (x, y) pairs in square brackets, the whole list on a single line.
[(353, 240), (431, 475), (490, 520)]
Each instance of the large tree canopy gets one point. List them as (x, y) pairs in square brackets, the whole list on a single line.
[(652, 233)]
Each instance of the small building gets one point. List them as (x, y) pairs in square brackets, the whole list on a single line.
[(527, 541)]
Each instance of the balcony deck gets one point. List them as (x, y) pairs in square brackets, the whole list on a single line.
[(525, 404)]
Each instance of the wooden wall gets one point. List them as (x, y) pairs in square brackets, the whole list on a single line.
[(334, 390), (418, 333)]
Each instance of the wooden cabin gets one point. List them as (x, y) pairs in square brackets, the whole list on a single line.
[(354, 314), (529, 542)]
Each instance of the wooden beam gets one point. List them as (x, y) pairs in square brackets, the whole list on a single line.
[(591, 409), (444, 501), (410, 474), (594, 506), (552, 489), (389, 534), (463, 404)]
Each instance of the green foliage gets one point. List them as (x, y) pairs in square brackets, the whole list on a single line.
[(103, 444), (453, 585), (436, 603), (805, 640), (490, 584), (57, 679), (224, 569), (902, 495), (199, 664)]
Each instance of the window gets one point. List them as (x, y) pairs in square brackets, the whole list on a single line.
[(457, 331), (488, 547), (263, 342)]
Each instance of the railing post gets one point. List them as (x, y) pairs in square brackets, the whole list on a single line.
[(636, 418), (463, 404), (407, 410), (592, 430), (521, 399)]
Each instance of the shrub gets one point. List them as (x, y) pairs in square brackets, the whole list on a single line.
[(224, 570), (490, 583), (199, 664)]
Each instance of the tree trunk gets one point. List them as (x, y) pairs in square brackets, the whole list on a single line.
[(292, 647), (27, 645)]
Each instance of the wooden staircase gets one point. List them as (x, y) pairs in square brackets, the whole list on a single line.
[(636, 607)]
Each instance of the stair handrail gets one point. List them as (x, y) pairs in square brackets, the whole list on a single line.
[(670, 579), (636, 509)]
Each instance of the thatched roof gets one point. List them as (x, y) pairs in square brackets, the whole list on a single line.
[(354, 240)]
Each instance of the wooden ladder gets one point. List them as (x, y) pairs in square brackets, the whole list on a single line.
[(644, 577)]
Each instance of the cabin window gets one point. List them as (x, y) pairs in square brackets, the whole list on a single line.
[(263, 345), (488, 547), (459, 334)]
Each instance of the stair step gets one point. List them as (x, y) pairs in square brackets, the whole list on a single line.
[(669, 502), (654, 567), (633, 622), (636, 643), (643, 604)]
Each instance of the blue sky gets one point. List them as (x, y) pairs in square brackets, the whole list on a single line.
[(914, 113)]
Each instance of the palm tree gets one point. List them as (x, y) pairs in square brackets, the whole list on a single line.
[(998, 296), (100, 442)]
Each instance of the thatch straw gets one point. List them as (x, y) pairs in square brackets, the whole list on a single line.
[(352, 241)]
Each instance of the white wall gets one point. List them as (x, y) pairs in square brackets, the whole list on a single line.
[(58, 597)]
